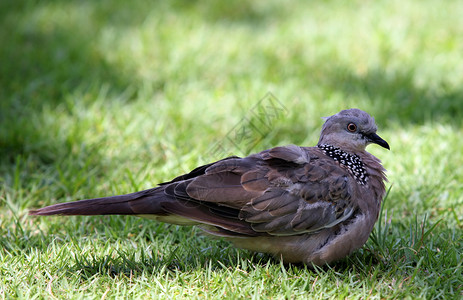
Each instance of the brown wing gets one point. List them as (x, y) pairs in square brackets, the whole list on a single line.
[(318, 199), (282, 191)]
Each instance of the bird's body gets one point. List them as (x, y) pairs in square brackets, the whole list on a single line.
[(301, 204)]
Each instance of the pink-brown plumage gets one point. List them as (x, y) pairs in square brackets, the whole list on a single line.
[(301, 204)]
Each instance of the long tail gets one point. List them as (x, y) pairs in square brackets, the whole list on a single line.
[(143, 202), (157, 204)]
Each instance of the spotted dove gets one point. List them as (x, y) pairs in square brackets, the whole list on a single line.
[(302, 204)]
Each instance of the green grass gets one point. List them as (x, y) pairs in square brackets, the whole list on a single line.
[(107, 97)]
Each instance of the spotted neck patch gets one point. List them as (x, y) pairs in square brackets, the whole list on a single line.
[(353, 163)]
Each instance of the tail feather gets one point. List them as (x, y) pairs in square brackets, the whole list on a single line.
[(143, 202), (162, 204)]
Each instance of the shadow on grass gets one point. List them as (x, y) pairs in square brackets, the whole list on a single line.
[(391, 96), (247, 13), (396, 97), (43, 65), (127, 264), (52, 54)]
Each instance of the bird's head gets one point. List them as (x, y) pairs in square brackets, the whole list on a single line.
[(351, 130)]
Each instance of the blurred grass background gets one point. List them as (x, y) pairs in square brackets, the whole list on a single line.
[(105, 97)]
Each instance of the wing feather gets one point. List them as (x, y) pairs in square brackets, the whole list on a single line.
[(282, 191)]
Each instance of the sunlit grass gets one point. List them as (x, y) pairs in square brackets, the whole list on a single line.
[(99, 98)]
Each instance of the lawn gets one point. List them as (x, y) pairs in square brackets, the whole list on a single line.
[(106, 97)]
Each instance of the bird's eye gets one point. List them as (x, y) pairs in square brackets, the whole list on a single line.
[(352, 127)]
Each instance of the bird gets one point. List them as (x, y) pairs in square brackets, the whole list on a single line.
[(311, 205)]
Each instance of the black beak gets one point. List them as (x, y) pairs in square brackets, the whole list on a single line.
[(374, 138)]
